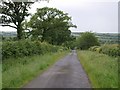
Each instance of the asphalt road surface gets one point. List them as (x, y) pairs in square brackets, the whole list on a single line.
[(66, 73)]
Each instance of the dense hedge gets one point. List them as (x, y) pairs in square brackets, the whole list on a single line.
[(111, 50), (27, 48)]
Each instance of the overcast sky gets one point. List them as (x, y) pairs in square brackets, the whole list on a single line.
[(88, 15)]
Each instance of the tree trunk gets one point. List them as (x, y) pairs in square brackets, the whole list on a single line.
[(19, 32)]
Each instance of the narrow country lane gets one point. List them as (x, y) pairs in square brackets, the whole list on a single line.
[(66, 73)]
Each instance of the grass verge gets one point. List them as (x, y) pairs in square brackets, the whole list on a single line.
[(0, 76), (17, 72), (102, 70)]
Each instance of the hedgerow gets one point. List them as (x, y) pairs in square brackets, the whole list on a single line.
[(111, 50), (26, 48)]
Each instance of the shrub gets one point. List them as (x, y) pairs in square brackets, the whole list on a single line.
[(26, 48), (111, 49), (99, 49), (86, 40), (94, 48)]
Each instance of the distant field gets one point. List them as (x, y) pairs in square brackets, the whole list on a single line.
[(111, 38)]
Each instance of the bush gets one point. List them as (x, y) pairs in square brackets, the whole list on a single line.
[(26, 48), (111, 49), (94, 48), (86, 40)]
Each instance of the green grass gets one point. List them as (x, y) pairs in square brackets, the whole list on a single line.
[(18, 72), (102, 70), (0, 65), (0, 76)]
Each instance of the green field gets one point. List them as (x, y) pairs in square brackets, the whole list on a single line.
[(102, 70), (109, 38), (17, 72)]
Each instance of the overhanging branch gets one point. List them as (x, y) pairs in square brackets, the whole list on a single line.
[(10, 26)]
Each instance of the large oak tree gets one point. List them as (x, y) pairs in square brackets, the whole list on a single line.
[(14, 12), (52, 25)]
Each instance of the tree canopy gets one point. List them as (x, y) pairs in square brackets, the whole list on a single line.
[(51, 25), (86, 40), (14, 12)]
